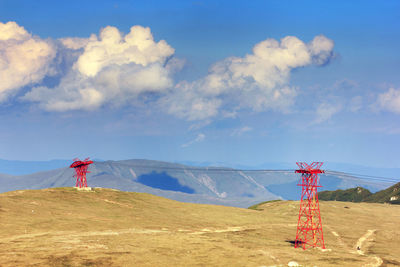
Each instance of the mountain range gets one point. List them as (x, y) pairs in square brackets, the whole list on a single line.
[(209, 185)]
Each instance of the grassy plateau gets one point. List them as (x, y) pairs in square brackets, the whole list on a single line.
[(104, 227)]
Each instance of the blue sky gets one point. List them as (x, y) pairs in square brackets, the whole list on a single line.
[(233, 81)]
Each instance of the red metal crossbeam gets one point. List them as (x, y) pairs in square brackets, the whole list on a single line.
[(310, 171)]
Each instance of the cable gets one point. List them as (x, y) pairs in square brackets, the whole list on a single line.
[(363, 176), (363, 181), (208, 169), (343, 175)]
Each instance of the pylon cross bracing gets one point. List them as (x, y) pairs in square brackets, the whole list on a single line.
[(309, 227), (81, 168)]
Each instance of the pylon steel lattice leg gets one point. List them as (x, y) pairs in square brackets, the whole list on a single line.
[(81, 170), (309, 227)]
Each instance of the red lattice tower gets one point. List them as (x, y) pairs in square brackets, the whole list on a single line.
[(81, 170), (309, 227)]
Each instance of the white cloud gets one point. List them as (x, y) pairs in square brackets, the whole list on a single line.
[(321, 49), (24, 59), (113, 48), (185, 101), (200, 137), (113, 68), (74, 92), (258, 81), (12, 32), (76, 43), (325, 111), (241, 131), (390, 100)]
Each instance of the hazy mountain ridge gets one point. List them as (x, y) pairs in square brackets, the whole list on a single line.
[(209, 185), (24, 167)]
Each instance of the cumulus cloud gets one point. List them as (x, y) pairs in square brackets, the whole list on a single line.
[(186, 102), (259, 81), (325, 111), (113, 68), (321, 49), (74, 92), (112, 48), (200, 137), (76, 43), (24, 59), (389, 101)]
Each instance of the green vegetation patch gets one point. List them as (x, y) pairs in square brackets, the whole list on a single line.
[(390, 195), (357, 194)]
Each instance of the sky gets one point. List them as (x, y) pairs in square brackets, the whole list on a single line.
[(237, 82)]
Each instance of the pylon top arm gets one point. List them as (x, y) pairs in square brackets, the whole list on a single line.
[(312, 171), (313, 168), (81, 168)]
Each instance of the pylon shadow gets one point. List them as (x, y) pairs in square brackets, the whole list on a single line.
[(293, 242)]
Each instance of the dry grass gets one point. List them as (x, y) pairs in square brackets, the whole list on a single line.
[(64, 227)]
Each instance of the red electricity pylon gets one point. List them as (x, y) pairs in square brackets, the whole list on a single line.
[(309, 227), (81, 170)]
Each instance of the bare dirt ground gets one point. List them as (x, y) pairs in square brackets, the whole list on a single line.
[(64, 227)]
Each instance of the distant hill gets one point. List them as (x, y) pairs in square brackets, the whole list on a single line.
[(207, 185), (390, 195), (357, 194)]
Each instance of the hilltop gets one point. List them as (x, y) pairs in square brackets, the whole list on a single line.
[(103, 227), (390, 195)]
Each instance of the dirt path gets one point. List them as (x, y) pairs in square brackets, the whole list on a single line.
[(377, 261)]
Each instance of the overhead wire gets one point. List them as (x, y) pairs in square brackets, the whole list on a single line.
[(209, 169), (361, 181), (343, 175), (360, 175)]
